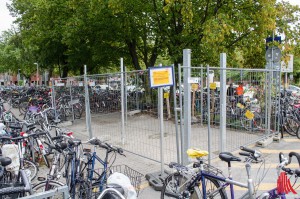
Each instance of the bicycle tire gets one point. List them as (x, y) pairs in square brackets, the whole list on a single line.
[(29, 165), (298, 133), (41, 187), (177, 179), (292, 126)]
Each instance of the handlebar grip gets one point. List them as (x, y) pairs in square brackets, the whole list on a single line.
[(11, 190), (244, 154), (247, 149), (71, 142), (291, 154), (297, 172), (281, 157)]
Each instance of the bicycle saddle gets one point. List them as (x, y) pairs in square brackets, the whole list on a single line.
[(94, 141), (196, 153), (74, 142), (5, 161), (228, 157)]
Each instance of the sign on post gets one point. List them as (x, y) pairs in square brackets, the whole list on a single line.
[(161, 76)]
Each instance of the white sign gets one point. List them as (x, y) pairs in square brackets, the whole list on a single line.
[(193, 80), (80, 83), (288, 67)]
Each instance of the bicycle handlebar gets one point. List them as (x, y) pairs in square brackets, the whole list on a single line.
[(247, 149)]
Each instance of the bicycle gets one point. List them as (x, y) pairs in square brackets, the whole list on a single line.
[(74, 178), (95, 178), (21, 182), (51, 182), (205, 184)]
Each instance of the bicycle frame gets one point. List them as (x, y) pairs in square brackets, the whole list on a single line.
[(271, 194), (91, 163)]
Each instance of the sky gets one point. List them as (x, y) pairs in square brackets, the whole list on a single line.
[(6, 19)]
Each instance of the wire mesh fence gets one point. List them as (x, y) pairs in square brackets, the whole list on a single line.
[(132, 120), (246, 107)]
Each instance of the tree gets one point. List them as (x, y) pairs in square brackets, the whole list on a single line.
[(68, 34)]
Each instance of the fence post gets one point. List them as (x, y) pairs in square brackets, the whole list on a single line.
[(123, 87), (187, 104), (125, 95), (176, 118), (181, 115), (201, 96), (87, 106), (208, 116), (223, 102)]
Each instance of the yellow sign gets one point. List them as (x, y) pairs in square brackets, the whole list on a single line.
[(194, 87), (161, 77), (249, 115), (213, 86), (166, 95)]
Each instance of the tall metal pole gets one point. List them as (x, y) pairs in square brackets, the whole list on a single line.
[(122, 102), (181, 116), (208, 116), (187, 104), (223, 102), (161, 124), (176, 118), (87, 105)]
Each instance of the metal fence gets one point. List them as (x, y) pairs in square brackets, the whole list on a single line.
[(230, 107), (122, 109)]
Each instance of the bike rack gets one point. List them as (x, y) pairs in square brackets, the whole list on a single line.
[(62, 189)]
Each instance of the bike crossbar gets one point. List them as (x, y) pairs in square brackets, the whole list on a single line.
[(63, 189)]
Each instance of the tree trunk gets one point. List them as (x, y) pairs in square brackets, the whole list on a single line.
[(133, 53)]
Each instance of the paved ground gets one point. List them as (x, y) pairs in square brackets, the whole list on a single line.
[(145, 166), (270, 153)]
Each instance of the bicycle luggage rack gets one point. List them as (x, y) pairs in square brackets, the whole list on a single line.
[(63, 189)]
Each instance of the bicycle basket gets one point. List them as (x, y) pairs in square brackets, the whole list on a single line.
[(134, 176)]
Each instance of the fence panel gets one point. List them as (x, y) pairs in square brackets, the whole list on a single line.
[(142, 123), (246, 112)]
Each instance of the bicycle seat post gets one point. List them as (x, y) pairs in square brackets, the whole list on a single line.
[(229, 170)]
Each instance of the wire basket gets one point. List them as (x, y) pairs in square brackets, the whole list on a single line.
[(92, 191), (134, 176)]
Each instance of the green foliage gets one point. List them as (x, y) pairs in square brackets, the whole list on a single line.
[(64, 35)]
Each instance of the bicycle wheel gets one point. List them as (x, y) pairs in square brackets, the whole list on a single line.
[(251, 124), (46, 186), (175, 187), (31, 169), (291, 126)]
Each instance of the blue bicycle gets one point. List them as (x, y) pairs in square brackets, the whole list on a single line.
[(95, 176)]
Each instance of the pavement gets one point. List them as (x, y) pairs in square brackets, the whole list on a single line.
[(268, 170), (145, 166)]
